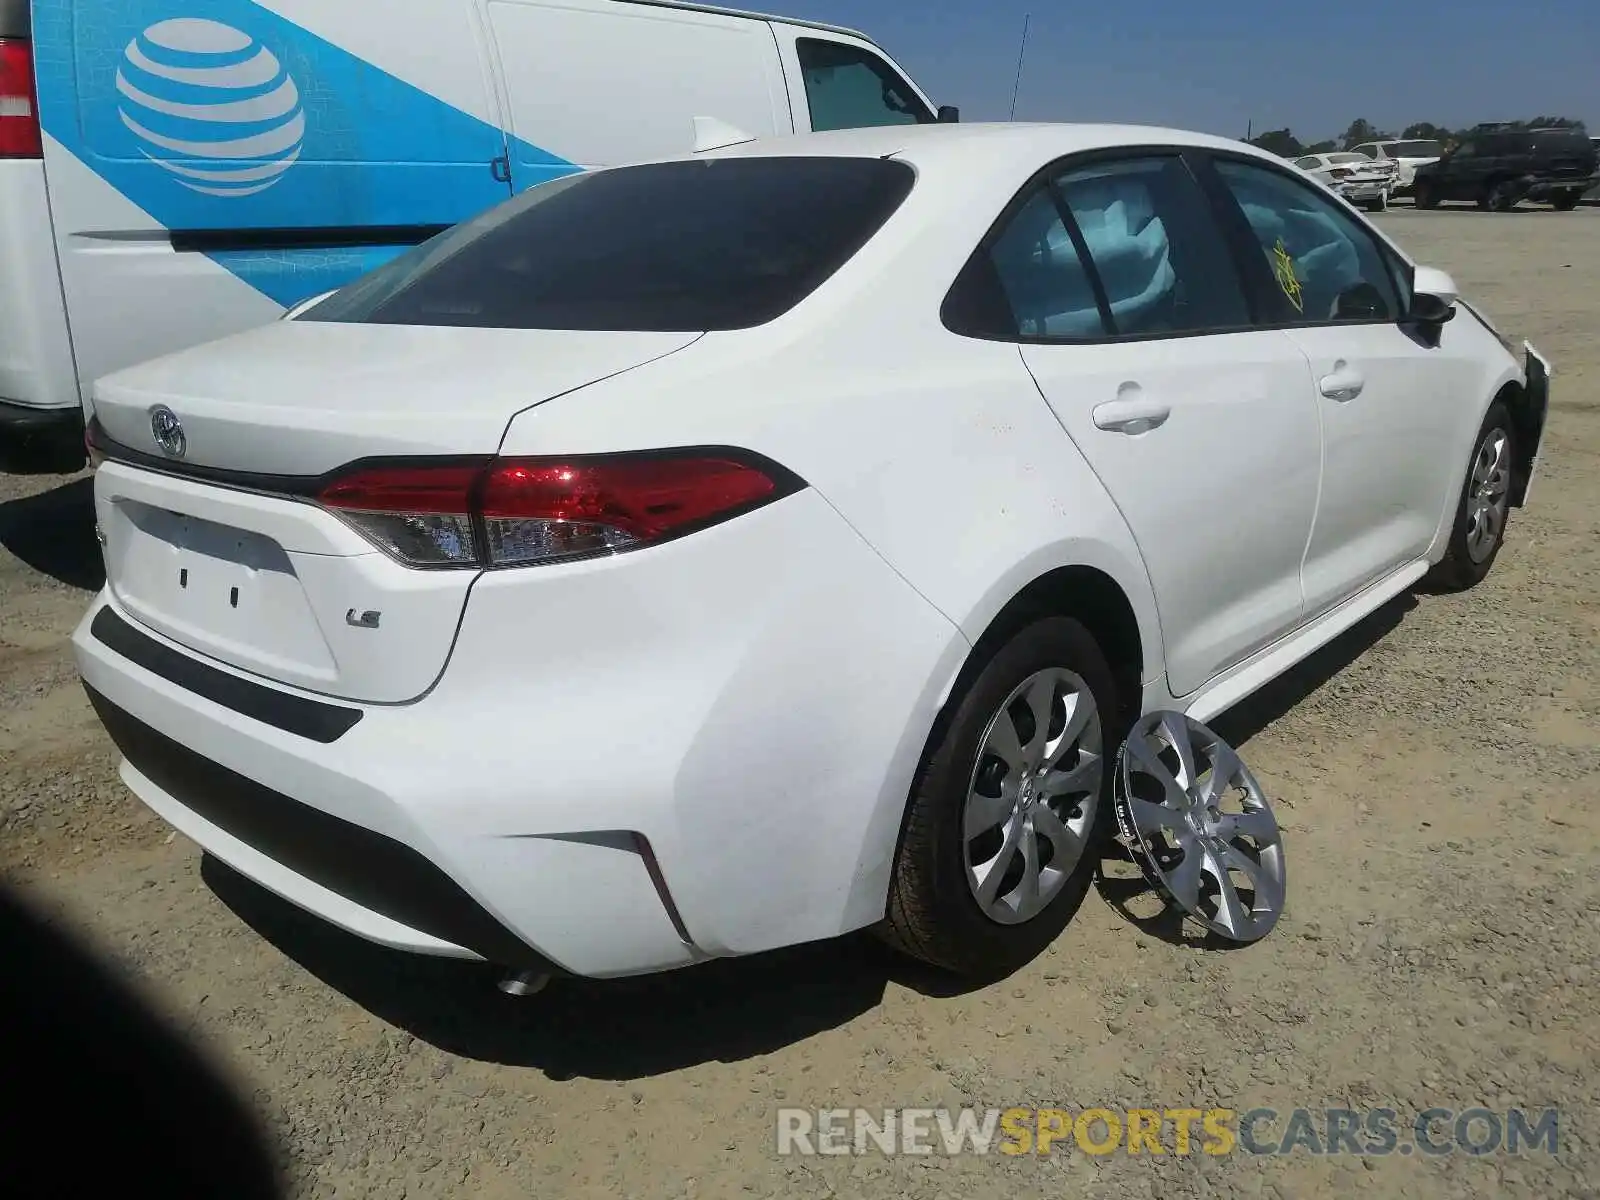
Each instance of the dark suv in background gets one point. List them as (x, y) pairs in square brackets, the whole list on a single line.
[(1498, 168)]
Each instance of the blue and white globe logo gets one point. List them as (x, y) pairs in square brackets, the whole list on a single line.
[(211, 105)]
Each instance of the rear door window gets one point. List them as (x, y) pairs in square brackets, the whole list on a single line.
[(1159, 258), (678, 246), (848, 87)]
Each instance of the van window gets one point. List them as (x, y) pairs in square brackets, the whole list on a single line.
[(850, 88), (676, 246)]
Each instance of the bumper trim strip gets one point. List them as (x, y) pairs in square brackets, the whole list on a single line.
[(305, 718)]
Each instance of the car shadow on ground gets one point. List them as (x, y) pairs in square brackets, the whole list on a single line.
[(722, 1011), (53, 532), (1119, 881)]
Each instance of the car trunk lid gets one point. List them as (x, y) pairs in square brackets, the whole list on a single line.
[(222, 547)]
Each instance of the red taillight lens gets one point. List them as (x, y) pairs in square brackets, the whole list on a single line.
[(19, 107), (523, 512)]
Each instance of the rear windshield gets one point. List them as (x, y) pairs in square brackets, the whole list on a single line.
[(1340, 159), (683, 246), (1415, 150)]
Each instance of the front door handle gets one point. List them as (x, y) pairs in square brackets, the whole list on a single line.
[(1344, 384), (1131, 412)]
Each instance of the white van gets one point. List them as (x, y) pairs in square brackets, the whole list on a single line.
[(173, 171)]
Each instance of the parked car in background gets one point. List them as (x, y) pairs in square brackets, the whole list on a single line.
[(1498, 168), (1359, 179), (1407, 156), (616, 581), (175, 170), (1594, 192)]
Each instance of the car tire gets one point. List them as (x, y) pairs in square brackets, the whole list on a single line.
[(1497, 196), (967, 802), (1566, 201), (1485, 497), (1381, 204), (1424, 196)]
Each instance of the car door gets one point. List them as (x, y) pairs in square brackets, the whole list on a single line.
[(1461, 173), (1136, 329), (1388, 395)]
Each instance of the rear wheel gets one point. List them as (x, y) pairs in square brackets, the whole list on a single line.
[(1566, 201), (1425, 196), (1002, 831), (1499, 196), (1479, 525)]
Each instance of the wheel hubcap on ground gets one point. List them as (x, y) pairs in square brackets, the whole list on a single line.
[(1488, 494), (1031, 799), (1199, 827)]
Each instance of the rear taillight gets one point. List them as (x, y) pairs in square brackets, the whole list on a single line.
[(517, 512), (19, 106)]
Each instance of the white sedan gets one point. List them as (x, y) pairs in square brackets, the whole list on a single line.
[(689, 559), (1356, 177)]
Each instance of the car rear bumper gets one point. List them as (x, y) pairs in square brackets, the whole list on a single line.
[(706, 752)]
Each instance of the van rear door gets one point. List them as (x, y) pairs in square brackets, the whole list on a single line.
[(212, 163), (840, 81), (606, 82)]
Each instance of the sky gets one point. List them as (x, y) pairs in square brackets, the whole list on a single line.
[(1219, 67)]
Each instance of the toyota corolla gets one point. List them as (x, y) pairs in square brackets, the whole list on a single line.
[(688, 559)]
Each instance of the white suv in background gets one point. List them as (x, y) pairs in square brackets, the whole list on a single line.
[(1407, 155)]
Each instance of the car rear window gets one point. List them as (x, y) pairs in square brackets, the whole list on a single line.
[(708, 244), (1560, 141)]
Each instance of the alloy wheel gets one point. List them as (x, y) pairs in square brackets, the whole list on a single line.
[(1489, 494), (1031, 800)]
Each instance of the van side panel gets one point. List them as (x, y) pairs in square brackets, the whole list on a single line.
[(568, 66), (212, 163), (36, 367)]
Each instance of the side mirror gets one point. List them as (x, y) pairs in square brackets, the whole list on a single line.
[(1433, 297), (949, 114)]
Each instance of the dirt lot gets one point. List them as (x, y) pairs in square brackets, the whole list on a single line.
[(1437, 772)]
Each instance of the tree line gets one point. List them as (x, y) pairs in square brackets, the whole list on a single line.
[(1284, 143)]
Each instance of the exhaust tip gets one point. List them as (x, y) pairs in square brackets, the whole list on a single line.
[(524, 983)]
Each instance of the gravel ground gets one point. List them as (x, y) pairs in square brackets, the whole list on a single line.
[(1435, 770)]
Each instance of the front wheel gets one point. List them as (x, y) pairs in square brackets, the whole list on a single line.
[(1002, 829), (1566, 201), (1479, 527)]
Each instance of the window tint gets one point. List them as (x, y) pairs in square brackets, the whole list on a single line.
[(851, 88), (1466, 150), (1325, 266), (1159, 257), (711, 244), (1308, 164)]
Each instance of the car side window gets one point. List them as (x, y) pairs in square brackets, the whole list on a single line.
[(1325, 267), (1159, 258), (1027, 280), (851, 88), (1466, 150), (1308, 164)]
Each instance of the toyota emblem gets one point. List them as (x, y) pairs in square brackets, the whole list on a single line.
[(168, 431)]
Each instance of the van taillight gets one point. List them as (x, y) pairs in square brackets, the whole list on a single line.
[(19, 103), (522, 512)]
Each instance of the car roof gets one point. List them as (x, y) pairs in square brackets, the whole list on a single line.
[(754, 16), (990, 144)]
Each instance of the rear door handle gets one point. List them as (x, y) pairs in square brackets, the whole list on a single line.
[(1344, 384), (1131, 412)]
